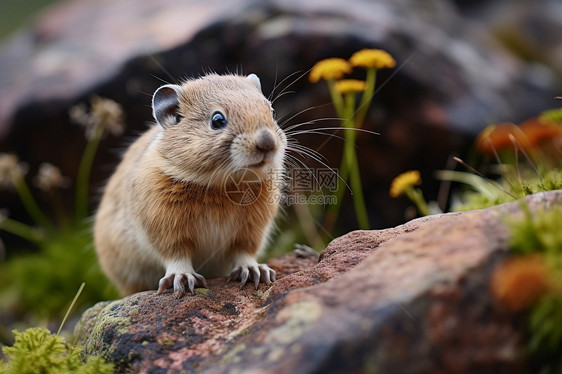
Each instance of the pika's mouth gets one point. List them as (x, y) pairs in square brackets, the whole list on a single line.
[(259, 164)]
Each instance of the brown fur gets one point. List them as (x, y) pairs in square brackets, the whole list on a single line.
[(167, 199)]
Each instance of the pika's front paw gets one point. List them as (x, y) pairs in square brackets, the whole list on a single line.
[(256, 272), (181, 282)]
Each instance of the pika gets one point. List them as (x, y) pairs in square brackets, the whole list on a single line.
[(195, 195)]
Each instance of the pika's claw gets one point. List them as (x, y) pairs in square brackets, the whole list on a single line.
[(257, 273), (267, 276), (181, 283), (255, 276), (234, 274), (165, 283), (245, 273)]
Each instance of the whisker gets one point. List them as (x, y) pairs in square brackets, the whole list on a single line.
[(160, 79), (283, 81), (336, 128), (331, 169), (219, 171), (155, 61), (310, 172), (310, 122), (284, 121), (319, 133), (275, 79), (305, 154), (281, 95), (292, 83), (299, 147)]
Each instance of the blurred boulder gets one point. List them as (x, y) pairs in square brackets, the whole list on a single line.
[(531, 32), (411, 299), (452, 78)]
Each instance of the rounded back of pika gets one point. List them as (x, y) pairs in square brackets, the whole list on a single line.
[(169, 207)]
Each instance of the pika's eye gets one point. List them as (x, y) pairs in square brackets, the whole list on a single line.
[(218, 121)]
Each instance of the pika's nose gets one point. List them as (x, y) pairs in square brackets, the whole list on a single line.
[(265, 141)]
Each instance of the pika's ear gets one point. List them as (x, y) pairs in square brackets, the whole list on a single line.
[(255, 80), (165, 105)]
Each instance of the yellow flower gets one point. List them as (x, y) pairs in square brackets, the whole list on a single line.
[(404, 181), (350, 86), (376, 58), (330, 68)]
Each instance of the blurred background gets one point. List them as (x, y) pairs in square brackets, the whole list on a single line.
[(460, 66)]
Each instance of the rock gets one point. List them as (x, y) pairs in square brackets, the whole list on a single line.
[(452, 80), (530, 32), (412, 299)]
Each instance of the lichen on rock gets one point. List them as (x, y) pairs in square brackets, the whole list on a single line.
[(412, 299)]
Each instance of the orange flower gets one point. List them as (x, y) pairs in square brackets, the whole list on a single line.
[(520, 281), (531, 134), (496, 138), (539, 131)]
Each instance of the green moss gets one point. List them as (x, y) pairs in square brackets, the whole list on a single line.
[(42, 283), (36, 350), (202, 291), (244, 332), (545, 342), (264, 295), (166, 343), (474, 200), (231, 357), (107, 317), (552, 116), (297, 319), (540, 232), (511, 187)]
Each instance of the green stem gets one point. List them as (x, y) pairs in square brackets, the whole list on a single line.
[(349, 170), (416, 196), (337, 99), (60, 213), (358, 200), (22, 230), (350, 156), (349, 133), (30, 204), (83, 178), (70, 307), (334, 210), (366, 97)]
